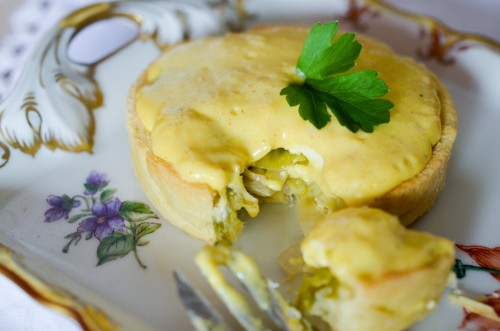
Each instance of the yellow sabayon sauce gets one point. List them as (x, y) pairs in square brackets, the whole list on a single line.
[(380, 244), (213, 106), (369, 272)]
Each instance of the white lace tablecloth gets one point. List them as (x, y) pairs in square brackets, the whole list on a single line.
[(21, 26)]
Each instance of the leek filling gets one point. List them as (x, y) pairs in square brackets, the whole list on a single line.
[(269, 180), (316, 291)]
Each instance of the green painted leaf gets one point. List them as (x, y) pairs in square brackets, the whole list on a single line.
[(74, 239), (115, 246), (107, 194), (144, 229), (135, 211), (77, 217), (135, 207)]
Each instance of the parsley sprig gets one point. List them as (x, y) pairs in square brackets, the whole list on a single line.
[(352, 97)]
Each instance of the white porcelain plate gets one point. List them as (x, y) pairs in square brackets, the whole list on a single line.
[(54, 191)]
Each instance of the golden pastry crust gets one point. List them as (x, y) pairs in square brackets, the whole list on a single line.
[(396, 301), (412, 198), (190, 206), (383, 275)]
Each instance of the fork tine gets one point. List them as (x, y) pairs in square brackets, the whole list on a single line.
[(277, 308), (208, 260), (263, 291), (202, 315)]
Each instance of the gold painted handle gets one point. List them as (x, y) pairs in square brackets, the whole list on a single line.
[(36, 113), (89, 317), (86, 16)]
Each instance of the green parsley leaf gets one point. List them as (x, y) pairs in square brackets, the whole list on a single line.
[(311, 107), (353, 98)]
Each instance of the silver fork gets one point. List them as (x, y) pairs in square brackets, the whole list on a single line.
[(264, 292)]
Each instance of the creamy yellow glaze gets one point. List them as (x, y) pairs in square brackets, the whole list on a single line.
[(213, 106), (367, 243), (369, 272)]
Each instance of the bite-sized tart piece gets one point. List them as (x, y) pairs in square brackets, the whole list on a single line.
[(370, 272)]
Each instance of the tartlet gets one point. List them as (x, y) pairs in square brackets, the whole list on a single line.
[(211, 136)]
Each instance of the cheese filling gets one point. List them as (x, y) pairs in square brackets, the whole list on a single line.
[(213, 106)]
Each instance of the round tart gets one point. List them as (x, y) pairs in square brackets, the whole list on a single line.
[(211, 136)]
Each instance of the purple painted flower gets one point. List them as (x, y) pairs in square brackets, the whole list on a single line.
[(105, 219), (61, 206), (95, 182)]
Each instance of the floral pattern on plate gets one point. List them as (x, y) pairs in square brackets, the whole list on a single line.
[(488, 260), (120, 226), (475, 322)]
